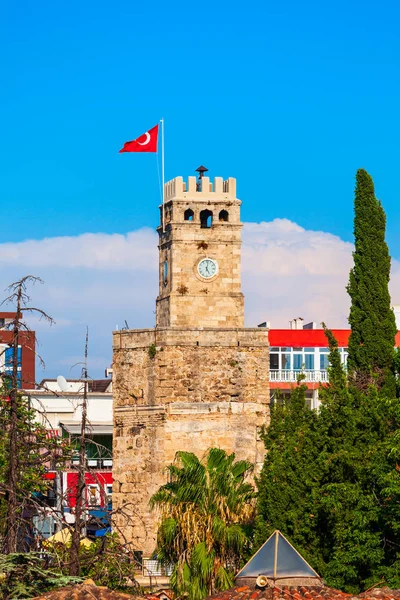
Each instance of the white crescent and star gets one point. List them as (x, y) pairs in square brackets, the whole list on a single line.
[(146, 141)]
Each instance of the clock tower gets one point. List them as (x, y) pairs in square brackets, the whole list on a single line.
[(199, 255), (199, 379)]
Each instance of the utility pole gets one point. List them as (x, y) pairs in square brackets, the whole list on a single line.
[(74, 568)]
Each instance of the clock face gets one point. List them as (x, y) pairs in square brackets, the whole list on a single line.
[(207, 268)]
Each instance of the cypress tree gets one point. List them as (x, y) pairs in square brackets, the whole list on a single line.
[(290, 479), (372, 322)]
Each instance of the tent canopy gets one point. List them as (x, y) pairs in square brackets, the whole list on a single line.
[(64, 536)]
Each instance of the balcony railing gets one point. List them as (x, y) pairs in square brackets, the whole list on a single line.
[(152, 568), (96, 463), (292, 375)]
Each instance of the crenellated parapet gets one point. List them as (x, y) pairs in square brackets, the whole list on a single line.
[(216, 190)]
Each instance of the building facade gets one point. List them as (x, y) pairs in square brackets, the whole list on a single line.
[(26, 352), (302, 350), (199, 378), (60, 411)]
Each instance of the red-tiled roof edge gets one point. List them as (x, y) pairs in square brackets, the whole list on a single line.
[(300, 592)]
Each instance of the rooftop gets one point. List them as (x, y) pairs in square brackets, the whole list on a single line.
[(86, 591), (323, 592)]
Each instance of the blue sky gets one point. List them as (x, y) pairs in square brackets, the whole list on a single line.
[(288, 97)]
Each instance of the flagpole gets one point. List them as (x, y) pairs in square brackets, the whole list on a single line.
[(162, 174)]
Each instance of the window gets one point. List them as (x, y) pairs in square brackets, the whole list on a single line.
[(307, 358), (286, 361), (323, 362), (224, 216), (188, 215), (100, 446), (165, 272), (274, 362), (8, 364), (206, 219), (297, 362), (309, 361)]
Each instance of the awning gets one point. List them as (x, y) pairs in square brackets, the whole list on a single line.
[(92, 429)]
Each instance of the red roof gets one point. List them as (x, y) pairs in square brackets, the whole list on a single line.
[(306, 337), (310, 338), (86, 591)]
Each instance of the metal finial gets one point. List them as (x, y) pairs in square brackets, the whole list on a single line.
[(201, 170)]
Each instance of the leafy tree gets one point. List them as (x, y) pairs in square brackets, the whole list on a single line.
[(35, 452), (25, 446), (371, 319), (106, 561), (343, 514), (206, 511)]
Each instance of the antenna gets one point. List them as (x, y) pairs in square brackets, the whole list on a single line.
[(85, 373)]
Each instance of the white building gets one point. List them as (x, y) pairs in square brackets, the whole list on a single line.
[(61, 411)]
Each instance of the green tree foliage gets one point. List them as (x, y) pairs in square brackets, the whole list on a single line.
[(27, 575), (206, 511), (36, 453), (106, 561), (330, 481), (371, 319), (288, 477)]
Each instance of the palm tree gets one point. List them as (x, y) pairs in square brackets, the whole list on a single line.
[(207, 510)]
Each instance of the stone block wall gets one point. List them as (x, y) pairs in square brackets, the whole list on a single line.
[(182, 389)]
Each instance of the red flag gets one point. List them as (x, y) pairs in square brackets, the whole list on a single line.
[(145, 143)]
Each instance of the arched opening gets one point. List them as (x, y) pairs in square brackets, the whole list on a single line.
[(188, 215), (224, 216), (206, 219)]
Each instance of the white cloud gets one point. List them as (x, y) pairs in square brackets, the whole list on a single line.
[(102, 280), (133, 251)]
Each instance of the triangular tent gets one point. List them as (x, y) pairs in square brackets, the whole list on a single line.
[(277, 559)]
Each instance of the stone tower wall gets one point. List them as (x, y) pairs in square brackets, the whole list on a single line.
[(202, 388), (199, 379)]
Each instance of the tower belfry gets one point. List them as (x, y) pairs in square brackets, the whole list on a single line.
[(199, 379)]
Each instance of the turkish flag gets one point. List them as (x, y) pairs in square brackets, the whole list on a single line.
[(145, 143)]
